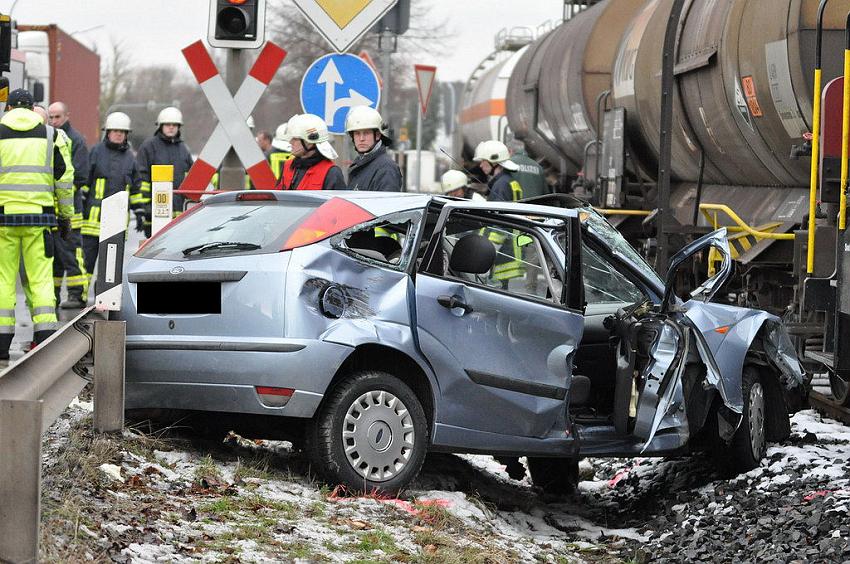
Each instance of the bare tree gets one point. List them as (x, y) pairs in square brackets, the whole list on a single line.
[(115, 77)]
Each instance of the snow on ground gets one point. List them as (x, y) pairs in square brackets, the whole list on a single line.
[(185, 499)]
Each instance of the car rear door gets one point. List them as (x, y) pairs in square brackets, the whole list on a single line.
[(502, 341)]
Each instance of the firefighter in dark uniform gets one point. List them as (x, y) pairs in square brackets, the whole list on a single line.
[(496, 163), (312, 167), (280, 152), (373, 169), (68, 262), (112, 169), (164, 148)]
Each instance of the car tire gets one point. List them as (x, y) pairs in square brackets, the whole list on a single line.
[(749, 443), (370, 435), (556, 476)]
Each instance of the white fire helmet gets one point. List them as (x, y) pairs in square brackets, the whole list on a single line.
[(281, 139), (452, 180), (311, 129), (118, 121), (494, 152), (169, 115), (363, 117)]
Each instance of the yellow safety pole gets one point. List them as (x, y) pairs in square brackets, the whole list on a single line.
[(813, 184), (845, 130)]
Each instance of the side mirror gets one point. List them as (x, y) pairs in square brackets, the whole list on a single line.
[(717, 240), (38, 91)]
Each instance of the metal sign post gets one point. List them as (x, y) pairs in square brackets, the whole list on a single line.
[(337, 82), (425, 75), (343, 22)]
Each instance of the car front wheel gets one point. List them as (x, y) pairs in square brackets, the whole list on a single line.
[(749, 443), (371, 434)]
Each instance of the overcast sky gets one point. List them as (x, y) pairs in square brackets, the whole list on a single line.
[(155, 30)]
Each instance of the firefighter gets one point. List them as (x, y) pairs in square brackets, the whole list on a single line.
[(312, 167), (281, 150), (455, 183), (69, 262), (496, 163), (164, 148), (373, 169), (36, 193), (112, 169)]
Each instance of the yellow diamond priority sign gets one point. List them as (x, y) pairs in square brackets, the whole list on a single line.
[(343, 22)]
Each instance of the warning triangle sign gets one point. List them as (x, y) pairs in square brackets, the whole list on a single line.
[(425, 83)]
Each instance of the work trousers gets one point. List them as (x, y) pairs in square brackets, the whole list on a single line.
[(90, 248), (70, 265), (35, 246)]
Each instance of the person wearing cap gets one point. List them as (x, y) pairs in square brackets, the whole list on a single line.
[(373, 169), (164, 148), (495, 161), (280, 152), (36, 193), (68, 264), (456, 184), (312, 167), (112, 169)]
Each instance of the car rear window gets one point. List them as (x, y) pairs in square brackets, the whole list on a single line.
[(225, 229)]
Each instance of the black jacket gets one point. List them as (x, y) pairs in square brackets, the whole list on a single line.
[(80, 159), (114, 163), (375, 171), (162, 150), (500, 188)]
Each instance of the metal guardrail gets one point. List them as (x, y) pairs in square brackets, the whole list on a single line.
[(33, 393)]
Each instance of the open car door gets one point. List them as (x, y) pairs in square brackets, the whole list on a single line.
[(499, 318)]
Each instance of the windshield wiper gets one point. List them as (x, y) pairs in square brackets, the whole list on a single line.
[(235, 245)]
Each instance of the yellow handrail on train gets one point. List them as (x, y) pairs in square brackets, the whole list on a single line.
[(845, 130), (813, 180), (707, 210)]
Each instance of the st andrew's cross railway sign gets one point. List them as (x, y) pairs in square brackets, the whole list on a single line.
[(232, 112), (338, 82), (343, 22)]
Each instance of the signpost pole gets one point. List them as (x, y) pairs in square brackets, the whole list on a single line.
[(232, 176), (419, 148)]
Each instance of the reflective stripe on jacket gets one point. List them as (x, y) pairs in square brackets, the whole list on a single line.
[(30, 162), (276, 160), (112, 170)]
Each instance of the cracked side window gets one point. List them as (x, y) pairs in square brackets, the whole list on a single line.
[(382, 241), (603, 283)]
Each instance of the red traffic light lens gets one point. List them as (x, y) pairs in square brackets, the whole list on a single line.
[(237, 2)]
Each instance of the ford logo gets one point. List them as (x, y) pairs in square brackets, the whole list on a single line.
[(177, 270)]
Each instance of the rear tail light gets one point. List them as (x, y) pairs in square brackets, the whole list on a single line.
[(171, 224), (274, 397), (254, 196), (332, 217)]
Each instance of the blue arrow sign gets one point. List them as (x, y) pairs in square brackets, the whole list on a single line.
[(335, 83)]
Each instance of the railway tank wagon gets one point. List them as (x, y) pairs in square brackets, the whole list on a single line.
[(585, 99)]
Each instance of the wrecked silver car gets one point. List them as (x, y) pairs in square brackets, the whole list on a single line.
[(389, 325)]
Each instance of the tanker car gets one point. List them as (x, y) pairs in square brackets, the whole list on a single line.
[(584, 99)]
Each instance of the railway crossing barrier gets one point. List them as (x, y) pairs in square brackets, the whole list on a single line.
[(37, 389)]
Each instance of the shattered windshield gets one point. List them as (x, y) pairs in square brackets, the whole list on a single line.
[(618, 245)]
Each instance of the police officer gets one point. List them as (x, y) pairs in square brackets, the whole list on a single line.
[(496, 163), (373, 169), (312, 167), (68, 262), (36, 193), (112, 169), (281, 150), (456, 184), (164, 148)]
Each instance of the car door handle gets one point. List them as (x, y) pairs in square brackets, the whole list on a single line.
[(451, 302)]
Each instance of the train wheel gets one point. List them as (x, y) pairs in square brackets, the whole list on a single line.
[(840, 388)]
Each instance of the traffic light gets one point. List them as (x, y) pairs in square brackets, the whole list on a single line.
[(397, 20), (237, 24)]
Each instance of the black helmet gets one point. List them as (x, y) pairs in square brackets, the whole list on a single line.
[(20, 98)]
